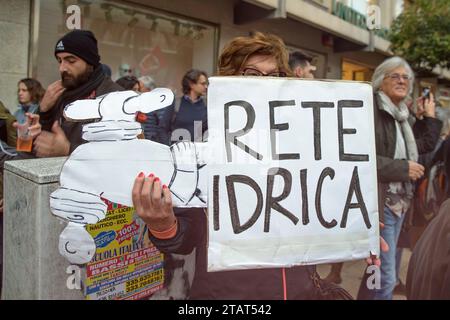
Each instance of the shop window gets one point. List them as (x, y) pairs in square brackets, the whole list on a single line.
[(355, 71), (152, 43)]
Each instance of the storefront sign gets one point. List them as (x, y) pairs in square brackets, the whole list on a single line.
[(369, 21)]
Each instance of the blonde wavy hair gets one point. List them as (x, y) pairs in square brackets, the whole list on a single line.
[(236, 53)]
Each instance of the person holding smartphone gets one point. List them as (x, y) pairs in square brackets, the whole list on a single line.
[(426, 106), (426, 127)]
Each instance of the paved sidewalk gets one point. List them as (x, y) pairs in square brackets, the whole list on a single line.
[(352, 273)]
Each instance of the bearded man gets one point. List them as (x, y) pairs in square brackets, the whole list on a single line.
[(82, 77)]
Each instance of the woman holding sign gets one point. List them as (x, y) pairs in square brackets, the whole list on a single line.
[(185, 229)]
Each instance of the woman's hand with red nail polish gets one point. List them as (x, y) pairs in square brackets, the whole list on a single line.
[(153, 203)]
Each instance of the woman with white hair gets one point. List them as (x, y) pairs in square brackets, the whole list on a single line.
[(147, 83), (397, 163), (151, 126)]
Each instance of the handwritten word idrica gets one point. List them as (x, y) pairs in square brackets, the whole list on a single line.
[(273, 202)]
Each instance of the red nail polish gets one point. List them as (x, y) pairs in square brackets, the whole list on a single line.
[(151, 175), (141, 175), (156, 180), (164, 186)]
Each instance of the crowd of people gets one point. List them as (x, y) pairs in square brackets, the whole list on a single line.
[(410, 139)]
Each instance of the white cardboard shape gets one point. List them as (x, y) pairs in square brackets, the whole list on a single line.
[(76, 244), (108, 164)]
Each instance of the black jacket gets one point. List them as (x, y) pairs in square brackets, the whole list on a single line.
[(427, 132), (429, 266), (302, 282), (73, 130), (186, 116), (389, 169)]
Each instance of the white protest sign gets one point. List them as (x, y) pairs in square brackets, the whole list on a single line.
[(292, 179)]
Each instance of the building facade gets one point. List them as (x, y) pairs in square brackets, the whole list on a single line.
[(163, 39)]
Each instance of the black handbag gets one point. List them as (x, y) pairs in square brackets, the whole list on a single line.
[(328, 290)]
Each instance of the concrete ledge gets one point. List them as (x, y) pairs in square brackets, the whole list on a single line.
[(33, 267), (266, 4), (45, 170), (323, 20)]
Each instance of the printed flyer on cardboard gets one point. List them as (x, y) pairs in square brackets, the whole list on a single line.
[(126, 265)]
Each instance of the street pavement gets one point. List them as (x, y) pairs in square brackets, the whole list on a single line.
[(352, 272)]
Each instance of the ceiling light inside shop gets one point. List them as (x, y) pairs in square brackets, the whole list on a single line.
[(198, 34), (190, 31), (108, 11), (133, 22), (177, 28), (154, 25), (149, 20)]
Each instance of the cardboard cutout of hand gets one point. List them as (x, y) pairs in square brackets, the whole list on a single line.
[(107, 165), (116, 112)]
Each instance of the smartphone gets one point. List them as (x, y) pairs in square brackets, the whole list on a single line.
[(426, 93)]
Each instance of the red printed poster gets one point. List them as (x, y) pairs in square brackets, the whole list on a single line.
[(126, 265)]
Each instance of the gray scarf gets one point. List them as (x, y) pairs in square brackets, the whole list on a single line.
[(400, 114)]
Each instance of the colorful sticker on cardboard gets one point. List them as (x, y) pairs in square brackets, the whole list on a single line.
[(126, 265)]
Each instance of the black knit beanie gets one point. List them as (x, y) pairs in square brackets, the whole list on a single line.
[(81, 43)]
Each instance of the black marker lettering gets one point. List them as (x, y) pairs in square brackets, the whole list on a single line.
[(231, 137), (274, 127), (341, 131), (326, 172), (273, 202), (355, 188), (235, 221), (316, 106)]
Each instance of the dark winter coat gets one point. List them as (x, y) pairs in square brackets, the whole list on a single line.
[(397, 170), (428, 275), (302, 282), (98, 85)]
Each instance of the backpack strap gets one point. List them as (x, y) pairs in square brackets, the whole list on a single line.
[(175, 112)]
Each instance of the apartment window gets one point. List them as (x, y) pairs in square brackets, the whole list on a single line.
[(352, 70), (358, 5)]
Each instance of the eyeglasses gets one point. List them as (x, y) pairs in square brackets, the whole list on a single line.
[(257, 73), (396, 76)]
